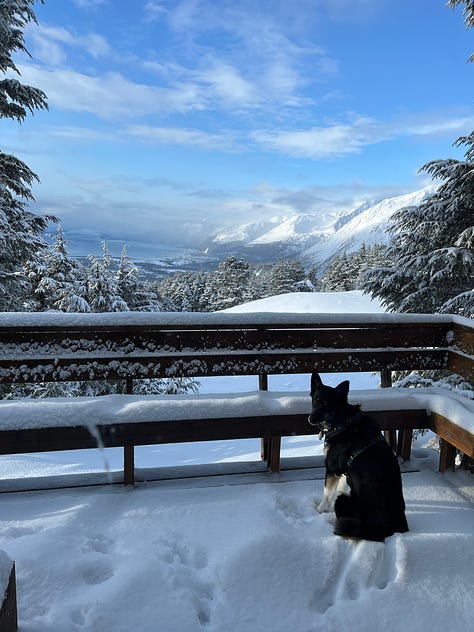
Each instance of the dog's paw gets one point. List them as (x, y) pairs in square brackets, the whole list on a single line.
[(323, 507)]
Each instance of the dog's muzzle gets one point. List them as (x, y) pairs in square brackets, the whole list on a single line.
[(321, 431)]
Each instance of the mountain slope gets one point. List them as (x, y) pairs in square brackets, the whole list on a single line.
[(315, 239), (368, 227)]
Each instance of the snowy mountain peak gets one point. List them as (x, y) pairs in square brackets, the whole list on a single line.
[(368, 226), (314, 238), (297, 226), (244, 232)]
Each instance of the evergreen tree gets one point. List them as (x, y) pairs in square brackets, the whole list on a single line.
[(288, 275), (231, 283), (136, 293), (468, 12), (103, 290), (20, 229), (339, 275), (184, 292), (56, 280), (432, 248)]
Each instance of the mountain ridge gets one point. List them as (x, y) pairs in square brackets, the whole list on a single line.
[(315, 239)]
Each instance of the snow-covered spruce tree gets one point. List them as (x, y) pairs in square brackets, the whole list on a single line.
[(184, 292), (103, 292), (230, 283), (432, 246), (288, 275), (20, 229), (468, 13), (346, 272), (136, 293), (339, 275), (56, 280)]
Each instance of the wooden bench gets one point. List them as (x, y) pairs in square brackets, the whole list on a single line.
[(127, 347)]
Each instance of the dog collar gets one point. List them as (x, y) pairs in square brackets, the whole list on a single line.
[(356, 453), (337, 429)]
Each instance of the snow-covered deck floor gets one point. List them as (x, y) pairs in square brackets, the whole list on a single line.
[(190, 555)]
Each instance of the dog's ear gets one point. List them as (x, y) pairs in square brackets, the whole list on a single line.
[(316, 382), (343, 388)]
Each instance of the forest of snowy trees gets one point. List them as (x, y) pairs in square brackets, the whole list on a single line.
[(234, 282)]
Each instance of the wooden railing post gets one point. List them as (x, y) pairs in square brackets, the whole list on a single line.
[(269, 446), (129, 449), (402, 446), (447, 456), (386, 382), (264, 441)]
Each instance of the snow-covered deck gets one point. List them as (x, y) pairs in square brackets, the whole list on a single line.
[(238, 554), (244, 551)]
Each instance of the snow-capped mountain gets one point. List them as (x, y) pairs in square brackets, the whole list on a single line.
[(268, 240), (315, 239), (298, 227), (366, 226), (244, 233)]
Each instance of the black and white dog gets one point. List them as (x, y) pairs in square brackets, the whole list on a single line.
[(357, 454)]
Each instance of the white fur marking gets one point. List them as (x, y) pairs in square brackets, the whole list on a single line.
[(334, 486)]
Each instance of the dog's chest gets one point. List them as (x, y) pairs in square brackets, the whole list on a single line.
[(336, 457)]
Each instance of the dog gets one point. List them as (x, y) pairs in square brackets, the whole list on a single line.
[(356, 455)]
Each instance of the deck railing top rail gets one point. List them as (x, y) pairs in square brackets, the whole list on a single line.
[(62, 347), (191, 320)]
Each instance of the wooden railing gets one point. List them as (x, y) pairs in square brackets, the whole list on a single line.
[(131, 346)]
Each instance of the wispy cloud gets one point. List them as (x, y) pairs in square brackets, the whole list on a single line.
[(246, 54), (111, 96), (154, 11), (338, 139), (179, 136), (331, 141), (49, 44), (89, 4)]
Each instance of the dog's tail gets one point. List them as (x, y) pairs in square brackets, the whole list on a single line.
[(348, 527)]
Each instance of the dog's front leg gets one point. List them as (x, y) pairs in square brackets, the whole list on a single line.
[(332, 484)]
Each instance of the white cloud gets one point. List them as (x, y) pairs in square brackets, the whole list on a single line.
[(89, 4), (110, 96), (49, 44), (176, 136), (227, 84), (334, 140), (264, 55), (340, 139), (83, 134), (154, 11)]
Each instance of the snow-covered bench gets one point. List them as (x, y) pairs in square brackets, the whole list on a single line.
[(40, 425), (127, 347)]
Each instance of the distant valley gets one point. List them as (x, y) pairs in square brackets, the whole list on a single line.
[(314, 239)]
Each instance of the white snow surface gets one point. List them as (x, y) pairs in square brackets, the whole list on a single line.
[(354, 302), (246, 555), (235, 552)]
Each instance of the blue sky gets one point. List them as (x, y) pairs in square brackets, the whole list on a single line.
[(170, 117)]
